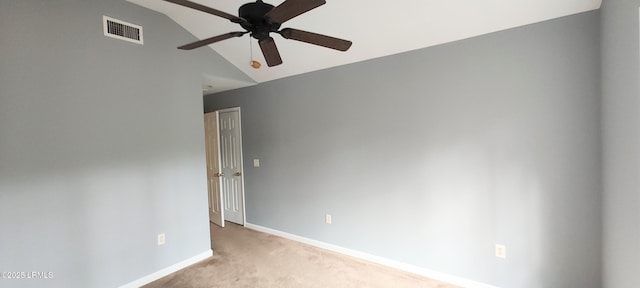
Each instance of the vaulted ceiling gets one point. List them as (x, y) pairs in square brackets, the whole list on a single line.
[(377, 29)]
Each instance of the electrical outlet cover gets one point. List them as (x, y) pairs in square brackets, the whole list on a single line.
[(161, 239), (327, 218)]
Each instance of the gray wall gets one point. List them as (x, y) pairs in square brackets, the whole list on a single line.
[(621, 124), (101, 144), (433, 156)]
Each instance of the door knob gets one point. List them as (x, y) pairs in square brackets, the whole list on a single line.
[(237, 174), (219, 174)]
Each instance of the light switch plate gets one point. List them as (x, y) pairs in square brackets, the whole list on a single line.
[(256, 162), (501, 251)]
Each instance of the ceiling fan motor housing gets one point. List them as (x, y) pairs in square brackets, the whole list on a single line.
[(257, 23)]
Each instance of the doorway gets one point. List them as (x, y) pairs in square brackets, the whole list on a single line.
[(225, 175)]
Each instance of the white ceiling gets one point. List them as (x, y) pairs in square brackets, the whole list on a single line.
[(377, 28)]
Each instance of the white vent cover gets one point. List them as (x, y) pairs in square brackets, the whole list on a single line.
[(122, 30)]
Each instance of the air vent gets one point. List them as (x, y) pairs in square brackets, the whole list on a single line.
[(122, 30)]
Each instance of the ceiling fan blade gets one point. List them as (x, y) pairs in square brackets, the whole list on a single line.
[(213, 39), (316, 39), (291, 8), (206, 9), (270, 52)]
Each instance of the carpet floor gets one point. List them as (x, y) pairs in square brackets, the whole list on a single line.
[(246, 258)]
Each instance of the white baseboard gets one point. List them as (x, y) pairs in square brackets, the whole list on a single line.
[(166, 271), (451, 279)]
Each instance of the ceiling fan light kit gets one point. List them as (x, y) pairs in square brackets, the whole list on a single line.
[(260, 20)]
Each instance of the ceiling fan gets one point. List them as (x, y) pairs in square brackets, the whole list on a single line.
[(260, 19)]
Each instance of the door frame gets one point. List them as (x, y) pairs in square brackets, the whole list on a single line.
[(244, 207)]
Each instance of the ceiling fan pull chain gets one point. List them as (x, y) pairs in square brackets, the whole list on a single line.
[(254, 63)]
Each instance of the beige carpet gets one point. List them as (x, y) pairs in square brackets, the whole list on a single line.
[(251, 259)]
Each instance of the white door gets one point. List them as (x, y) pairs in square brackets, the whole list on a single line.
[(212, 144), (231, 165)]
